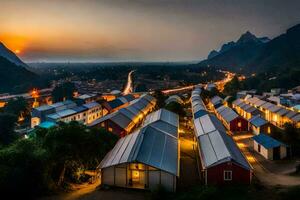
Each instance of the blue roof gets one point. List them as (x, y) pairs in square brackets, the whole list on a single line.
[(91, 105), (129, 97), (115, 103), (258, 121), (200, 113), (79, 109), (267, 141), (46, 124)]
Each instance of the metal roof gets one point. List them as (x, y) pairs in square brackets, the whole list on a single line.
[(291, 114), (206, 124), (79, 109), (267, 141), (274, 108), (149, 145), (62, 114), (227, 113), (125, 116), (162, 115), (282, 112), (121, 119), (91, 105), (296, 118), (115, 103), (216, 100), (215, 146), (258, 121), (237, 102), (267, 105), (174, 98)]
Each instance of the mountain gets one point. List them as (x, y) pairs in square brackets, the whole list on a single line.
[(252, 54), (9, 55), (235, 55), (14, 76), (280, 54), (212, 54)]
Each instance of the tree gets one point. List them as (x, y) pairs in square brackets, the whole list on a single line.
[(17, 106), (160, 97), (176, 108), (232, 87), (7, 125), (63, 92), (72, 146)]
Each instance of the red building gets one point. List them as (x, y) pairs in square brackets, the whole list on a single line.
[(221, 160), (124, 120), (231, 120)]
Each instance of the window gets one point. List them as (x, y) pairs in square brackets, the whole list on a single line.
[(227, 175), (269, 129), (258, 148), (239, 124), (110, 129)]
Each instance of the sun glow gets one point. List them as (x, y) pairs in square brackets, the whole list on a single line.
[(17, 51)]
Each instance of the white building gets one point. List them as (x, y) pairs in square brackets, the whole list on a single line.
[(268, 147)]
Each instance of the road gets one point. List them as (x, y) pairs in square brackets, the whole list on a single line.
[(129, 85), (266, 176)]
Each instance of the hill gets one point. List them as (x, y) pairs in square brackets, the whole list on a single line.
[(9, 55), (14, 78), (251, 54)]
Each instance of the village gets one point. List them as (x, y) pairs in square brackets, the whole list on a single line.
[(216, 141)]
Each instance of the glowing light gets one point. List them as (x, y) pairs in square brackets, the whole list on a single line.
[(17, 51)]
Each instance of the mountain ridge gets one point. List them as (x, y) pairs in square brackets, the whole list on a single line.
[(253, 54), (10, 55)]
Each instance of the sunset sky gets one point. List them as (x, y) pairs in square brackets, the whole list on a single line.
[(144, 30)]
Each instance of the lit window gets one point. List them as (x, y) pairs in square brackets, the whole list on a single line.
[(269, 129), (110, 129), (239, 124), (227, 175)]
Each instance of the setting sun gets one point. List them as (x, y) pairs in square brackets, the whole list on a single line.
[(17, 51)]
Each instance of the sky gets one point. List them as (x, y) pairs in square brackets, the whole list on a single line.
[(136, 30)]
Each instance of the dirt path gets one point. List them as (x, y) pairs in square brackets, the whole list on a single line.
[(266, 176), (91, 192), (188, 165)]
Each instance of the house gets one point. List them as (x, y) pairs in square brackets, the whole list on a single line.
[(269, 148), (275, 114), (221, 160), (39, 114), (87, 98), (210, 86), (198, 106), (259, 125), (245, 110), (216, 102), (118, 103), (231, 120), (124, 120), (147, 158)]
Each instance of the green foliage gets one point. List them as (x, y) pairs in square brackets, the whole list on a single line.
[(23, 168), (176, 108), (232, 87), (7, 125), (63, 92), (52, 158), (160, 97), (17, 106)]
